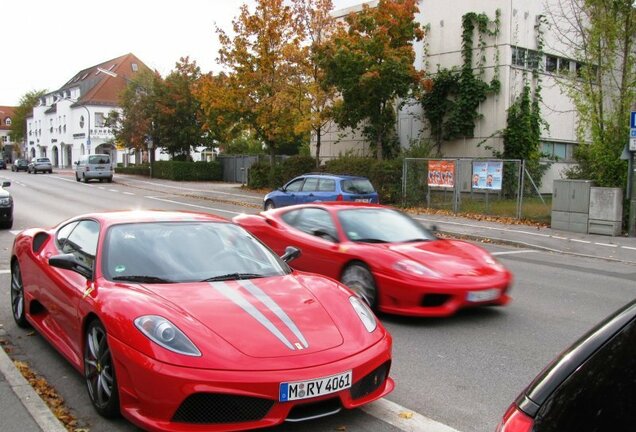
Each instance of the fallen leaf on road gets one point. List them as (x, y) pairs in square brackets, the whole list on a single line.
[(31, 333), (341, 428), (406, 415)]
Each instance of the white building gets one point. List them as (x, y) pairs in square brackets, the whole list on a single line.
[(515, 43), (69, 122)]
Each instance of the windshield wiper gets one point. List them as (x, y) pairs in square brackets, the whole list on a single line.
[(232, 276), (370, 240), (142, 279), (413, 240)]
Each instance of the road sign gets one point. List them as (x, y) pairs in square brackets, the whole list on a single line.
[(632, 144), (632, 133), (632, 120)]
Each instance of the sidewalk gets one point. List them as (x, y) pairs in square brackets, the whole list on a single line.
[(29, 413)]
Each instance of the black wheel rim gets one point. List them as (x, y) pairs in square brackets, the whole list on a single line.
[(17, 293), (98, 367)]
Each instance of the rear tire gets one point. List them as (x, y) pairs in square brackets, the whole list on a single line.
[(109, 179), (77, 177), (359, 279), (84, 179)]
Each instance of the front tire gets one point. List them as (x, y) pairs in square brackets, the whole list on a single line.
[(99, 371), (359, 279), (17, 296), (269, 204)]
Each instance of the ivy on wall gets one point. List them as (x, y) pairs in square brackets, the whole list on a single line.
[(451, 104)]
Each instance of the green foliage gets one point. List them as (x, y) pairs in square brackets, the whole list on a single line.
[(451, 104), (188, 171), (371, 65), (22, 111), (265, 175), (604, 92), (141, 169)]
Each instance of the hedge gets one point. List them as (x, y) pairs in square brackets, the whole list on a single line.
[(177, 170)]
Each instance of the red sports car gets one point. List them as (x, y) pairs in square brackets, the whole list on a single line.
[(186, 322), (389, 259)]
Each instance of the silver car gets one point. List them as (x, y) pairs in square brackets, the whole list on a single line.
[(40, 165)]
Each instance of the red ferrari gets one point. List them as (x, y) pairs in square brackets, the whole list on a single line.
[(391, 261), (186, 322)]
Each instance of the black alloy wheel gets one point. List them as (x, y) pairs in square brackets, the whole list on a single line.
[(17, 296), (360, 280), (99, 371)]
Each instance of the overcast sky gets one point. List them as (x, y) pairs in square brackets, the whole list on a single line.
[(46, 42)]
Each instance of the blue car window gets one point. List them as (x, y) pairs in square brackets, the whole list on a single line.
[(311, 185), (357, 186), (294, 185), (327, 185)]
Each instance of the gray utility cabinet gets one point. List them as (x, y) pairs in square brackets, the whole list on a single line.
[(606, 211), (571, 205)]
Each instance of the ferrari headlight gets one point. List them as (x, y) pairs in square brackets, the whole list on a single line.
[(494, 263), (164, 333), (415, 269), (364, 313), (6, 202)]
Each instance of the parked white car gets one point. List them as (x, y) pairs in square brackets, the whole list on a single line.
[(40, 165), (94, 166)]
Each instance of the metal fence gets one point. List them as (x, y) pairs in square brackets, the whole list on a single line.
[(236, 167), (497, 187)]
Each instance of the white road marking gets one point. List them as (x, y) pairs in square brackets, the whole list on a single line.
[(113, 190), (581, 241), (484, 227), (514, 252), (192, 205), (15, 232), (606, 244), (5, 271), (628, 247), (403, 418), (128, 193)]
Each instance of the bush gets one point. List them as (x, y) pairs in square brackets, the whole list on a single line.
[(176, 170), (385, 175), (143, 170), (264, 175), (188, 171)]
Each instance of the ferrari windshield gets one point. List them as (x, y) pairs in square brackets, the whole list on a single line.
[(172, 252), (381, 225)]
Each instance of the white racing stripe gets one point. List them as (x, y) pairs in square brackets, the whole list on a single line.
[(403, 418)]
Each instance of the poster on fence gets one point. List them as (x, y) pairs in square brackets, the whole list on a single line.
[(441, 173), (487, 175)]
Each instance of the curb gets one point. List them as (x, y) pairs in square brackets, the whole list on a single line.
[(29, 398)]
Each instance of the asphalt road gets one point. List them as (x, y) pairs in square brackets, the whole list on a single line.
[(462, 371)]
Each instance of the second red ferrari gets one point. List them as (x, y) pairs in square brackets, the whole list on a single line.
[(389, 259)]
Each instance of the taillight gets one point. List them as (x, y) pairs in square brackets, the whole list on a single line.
[(515, 420), (339, 197)]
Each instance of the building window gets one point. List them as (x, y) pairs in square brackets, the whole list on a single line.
[(7, 121), (556, 151), (551, 63), (564, 66), (99, 119), (518, 56)]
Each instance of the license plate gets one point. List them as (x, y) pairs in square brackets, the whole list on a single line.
[(484, 295), (290, 391), (366, 200)]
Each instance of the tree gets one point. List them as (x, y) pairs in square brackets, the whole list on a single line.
[(265, 83), (370, 62), (601, 34), (219, 118), (24, 109), (314, 19), (178, 112), (133, 127)]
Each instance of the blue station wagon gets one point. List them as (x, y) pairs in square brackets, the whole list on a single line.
[(321, 187)]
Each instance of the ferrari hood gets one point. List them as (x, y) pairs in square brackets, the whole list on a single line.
[(447, 257), (265, 317)]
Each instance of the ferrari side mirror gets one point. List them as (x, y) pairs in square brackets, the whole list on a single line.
[(291, 253), (69, 262)]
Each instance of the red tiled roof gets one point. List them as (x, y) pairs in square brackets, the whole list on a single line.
[(5, 113), (103, 83)]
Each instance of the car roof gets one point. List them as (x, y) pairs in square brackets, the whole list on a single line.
[(144, 216), (334, 176), (572, 358), (334, 205)]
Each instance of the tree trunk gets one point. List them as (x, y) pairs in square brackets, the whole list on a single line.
[(318, 133)]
